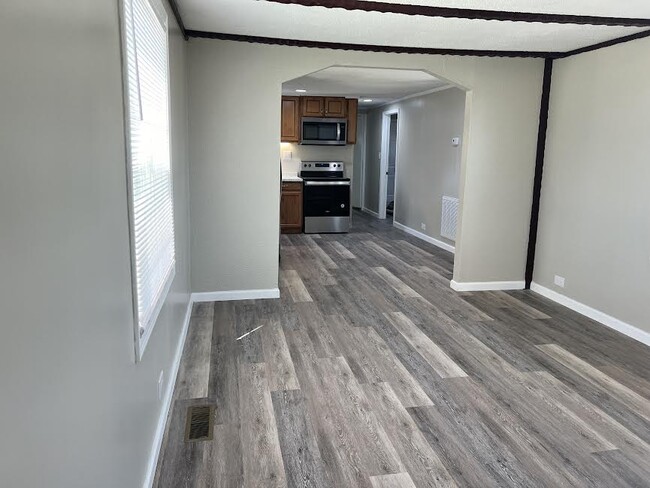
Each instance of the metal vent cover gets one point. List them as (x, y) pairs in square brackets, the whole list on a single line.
[(199, 424), (449, 220)]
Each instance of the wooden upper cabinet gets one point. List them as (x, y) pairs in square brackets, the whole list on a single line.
[(336, 107), (353, 105), (294, 108), (313, 106), (290, 131)]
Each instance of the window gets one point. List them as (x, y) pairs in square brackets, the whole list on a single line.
[(148, 161)]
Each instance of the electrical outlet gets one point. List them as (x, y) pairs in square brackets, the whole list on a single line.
[(559, 281), (423, 226), (161, 381)]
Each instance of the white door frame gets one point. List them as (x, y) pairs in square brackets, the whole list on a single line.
[(361, 140), (383, 161)]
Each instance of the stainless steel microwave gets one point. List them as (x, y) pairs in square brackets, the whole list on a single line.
[(324, 131)]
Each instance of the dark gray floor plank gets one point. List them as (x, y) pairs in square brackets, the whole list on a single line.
[(261, 454), (302, 460), (194, 370), (422, 463)]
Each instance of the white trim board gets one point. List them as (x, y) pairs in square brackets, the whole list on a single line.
[(371, 212), (167, 401), (487, 285), (223, 296), (424, 237), (384, 154), (605, 319), (414, 95)]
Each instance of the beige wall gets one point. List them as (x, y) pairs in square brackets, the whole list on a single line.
[(595, 206), (235, 91), (428, 166), (75, 410)]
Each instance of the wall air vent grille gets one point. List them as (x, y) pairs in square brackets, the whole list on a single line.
[(449, 219)]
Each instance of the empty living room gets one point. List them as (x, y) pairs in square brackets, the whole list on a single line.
[(324, 244)]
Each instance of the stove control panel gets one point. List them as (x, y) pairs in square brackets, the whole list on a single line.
[(323, 166)]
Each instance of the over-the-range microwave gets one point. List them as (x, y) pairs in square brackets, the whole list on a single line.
[(324, 131)]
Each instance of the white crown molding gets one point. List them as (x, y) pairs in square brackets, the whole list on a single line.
[(487, 285), (605, 319), (424, 237), (414, 95)]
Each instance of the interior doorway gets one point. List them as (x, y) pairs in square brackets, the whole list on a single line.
[(388, 163), (359, 166)]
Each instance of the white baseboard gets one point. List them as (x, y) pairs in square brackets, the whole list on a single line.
[(488, 285), (424, 237), (607, 320), (223, 296), (371, 212), (167, 401)]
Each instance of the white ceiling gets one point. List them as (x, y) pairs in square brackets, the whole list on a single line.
[(378, 84), (268, 19)]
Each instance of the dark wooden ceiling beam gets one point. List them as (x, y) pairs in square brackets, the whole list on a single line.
[(472, 14), (179, 20), (371, 47), (601, 45)]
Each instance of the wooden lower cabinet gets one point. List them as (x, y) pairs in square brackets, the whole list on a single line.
[(291, 207)]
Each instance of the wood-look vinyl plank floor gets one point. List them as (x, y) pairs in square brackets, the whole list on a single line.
[(371, 372)]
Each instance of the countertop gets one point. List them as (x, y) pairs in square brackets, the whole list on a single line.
[(291, 177)]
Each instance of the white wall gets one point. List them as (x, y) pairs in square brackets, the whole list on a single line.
[(428, 166), (595, 207), (75, 410), (235, 91), (323, 153)]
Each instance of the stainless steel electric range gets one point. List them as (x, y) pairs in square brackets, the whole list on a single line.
[(326, 197)]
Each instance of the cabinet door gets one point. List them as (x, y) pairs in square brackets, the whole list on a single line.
[(291, 212), (352, 120), (336, 107), (290, 119), (313, 106)]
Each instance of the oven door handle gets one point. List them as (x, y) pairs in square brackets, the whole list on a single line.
[(327, 183)]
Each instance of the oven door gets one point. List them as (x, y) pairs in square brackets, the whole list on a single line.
[(326, 198)]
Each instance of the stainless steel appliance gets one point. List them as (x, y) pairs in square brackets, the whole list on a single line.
[(326, 197), (324, 131)]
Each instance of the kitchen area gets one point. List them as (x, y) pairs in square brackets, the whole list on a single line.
[(318, 134)]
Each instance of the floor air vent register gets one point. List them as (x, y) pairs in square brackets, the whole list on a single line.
[(200, 423)]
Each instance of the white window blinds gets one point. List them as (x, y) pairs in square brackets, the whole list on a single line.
[(150, 178)]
